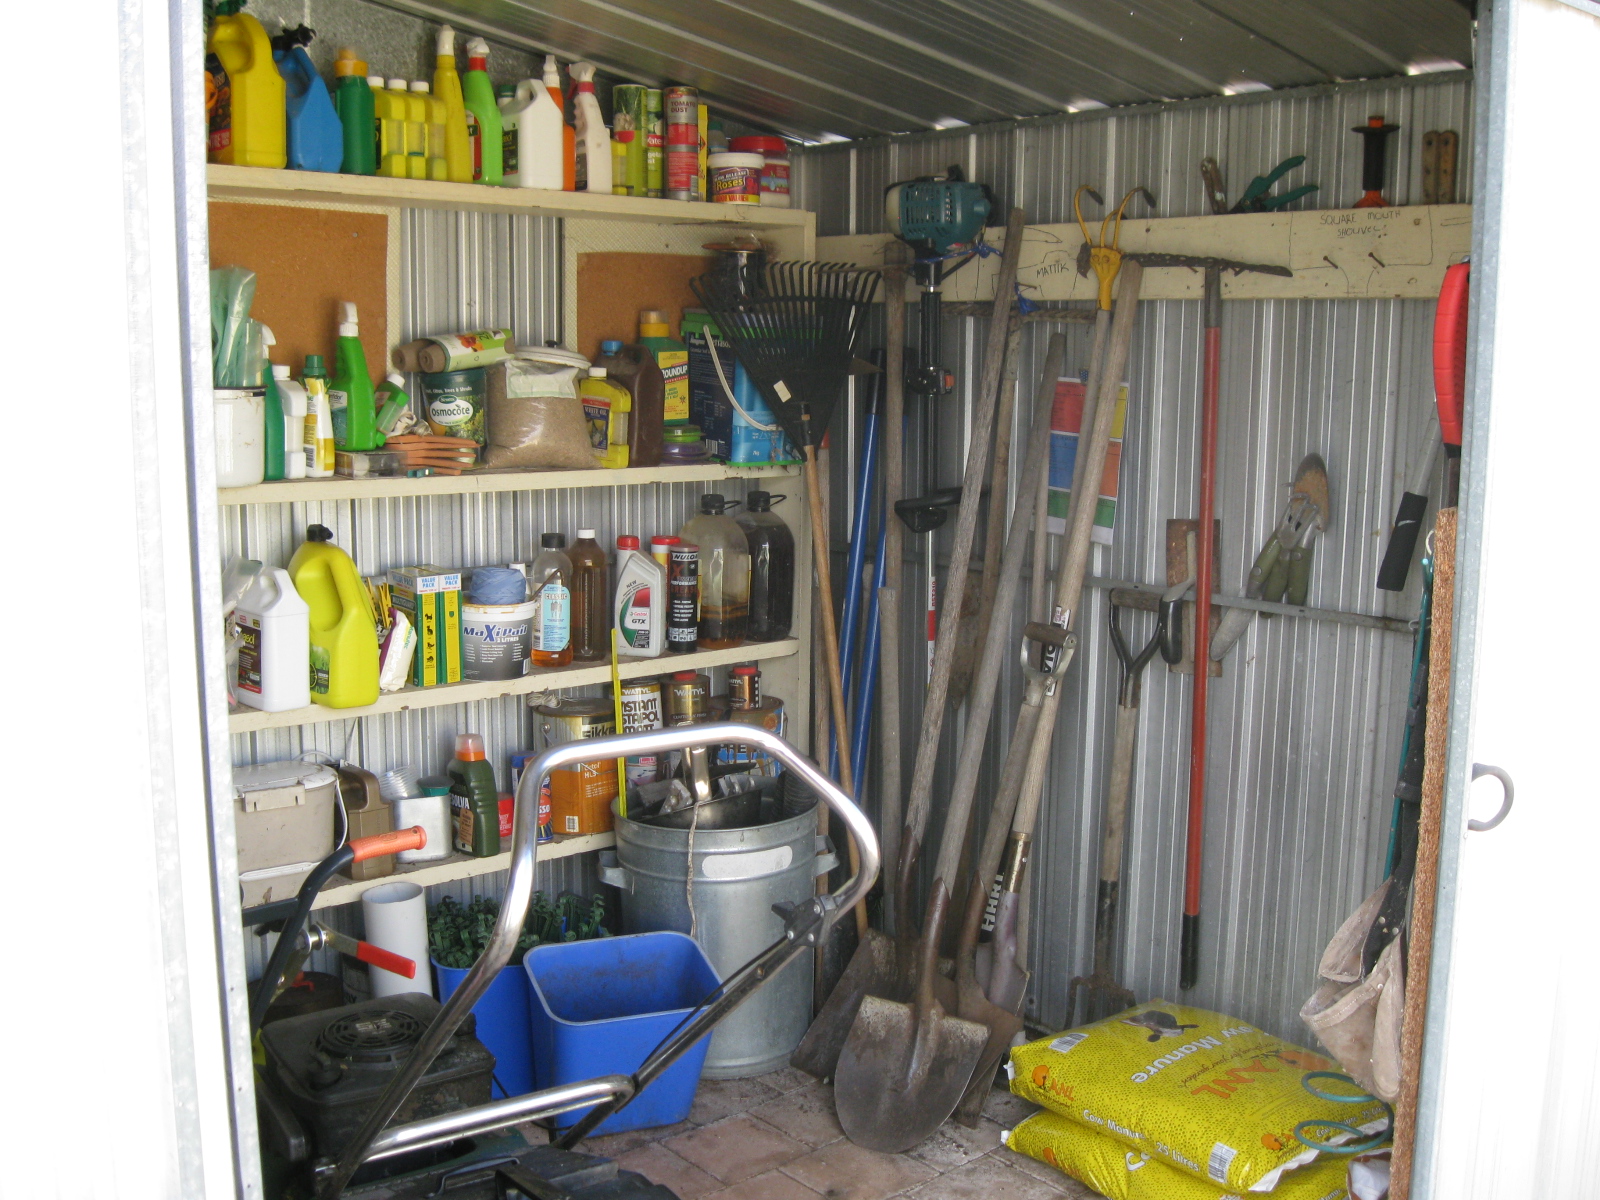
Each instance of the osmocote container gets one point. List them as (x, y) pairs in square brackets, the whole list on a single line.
[(739, 874)]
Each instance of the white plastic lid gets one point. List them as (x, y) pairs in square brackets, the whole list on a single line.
[(375, 81), (280, 370), (419, 85), (349, 325), (552, 71), (446, 42), (397, 379), (586, 533), (581, 72), (398, 85), (478, 48), (597, 372)]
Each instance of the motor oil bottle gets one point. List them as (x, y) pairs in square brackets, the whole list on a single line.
[(318, 438), (273, 624), (569, 135), (292, 399), (550, 589), (315, 136), (607, 407), (591, 618), (447, 86), (672, 356), (634, 368), (343, 631), (483, 115), (474, 799), (353, 101), (771, 568), (724, 574), (592, 142), (256, 131), (350, 400), (436, 118), (641, 601), (389, 116)]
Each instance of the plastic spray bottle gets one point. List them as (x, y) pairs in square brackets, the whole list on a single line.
[(569, 136), (353, 101), (390, 400), (483, 114), (447, 86), (350, 399), (592, 140), (272, 440), (344, 634), (292, 399), (640, 608), (318, 439), (474, 799), (315, 136), (253, 131)]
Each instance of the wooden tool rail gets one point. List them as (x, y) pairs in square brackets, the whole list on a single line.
[(1146, 596)]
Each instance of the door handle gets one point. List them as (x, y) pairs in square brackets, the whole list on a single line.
[(1479, 770)]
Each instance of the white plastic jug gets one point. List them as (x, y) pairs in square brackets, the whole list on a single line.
[(274, 627), (241, 436)]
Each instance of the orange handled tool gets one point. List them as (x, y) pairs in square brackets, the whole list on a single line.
[(380, 844), (1450, 370)]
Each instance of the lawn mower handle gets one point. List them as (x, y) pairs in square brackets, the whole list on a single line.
[(514, 908)]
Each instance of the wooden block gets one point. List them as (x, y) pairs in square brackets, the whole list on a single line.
[(1181, 532)]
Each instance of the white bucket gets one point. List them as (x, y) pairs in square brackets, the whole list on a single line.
[(240, 423), (496, 640)]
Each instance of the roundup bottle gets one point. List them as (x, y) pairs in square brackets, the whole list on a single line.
[(255, 135), (447, 86), (483, 115), (474, 799), (350, 400), (641, 601), (672, 356), (344, 637), (353, 101)]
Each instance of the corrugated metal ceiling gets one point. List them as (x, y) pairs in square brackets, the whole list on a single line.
[(858, 68)]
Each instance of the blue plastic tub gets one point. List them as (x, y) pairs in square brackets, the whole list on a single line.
[(600, 1007), (503, 1025)]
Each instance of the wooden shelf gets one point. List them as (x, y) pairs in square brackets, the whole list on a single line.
[(259, 183), (478, 482), (462, 866), (250, 721)]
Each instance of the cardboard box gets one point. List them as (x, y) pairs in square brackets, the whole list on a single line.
[(431, 597), (730, 435)]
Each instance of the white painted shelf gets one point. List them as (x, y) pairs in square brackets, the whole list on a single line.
[(462, 866), (260, 183), (479, 482), (578, 675)]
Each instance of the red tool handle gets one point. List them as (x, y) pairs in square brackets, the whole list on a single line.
[(380, 844), (1450, 351), (387, 959)]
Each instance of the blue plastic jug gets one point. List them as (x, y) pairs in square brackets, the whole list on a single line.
[(316, 138)]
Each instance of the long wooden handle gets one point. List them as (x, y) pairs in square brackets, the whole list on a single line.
[(830, 644)]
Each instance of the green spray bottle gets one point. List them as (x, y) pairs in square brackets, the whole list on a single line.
[(350, 397), (272, 409), (483, 115)]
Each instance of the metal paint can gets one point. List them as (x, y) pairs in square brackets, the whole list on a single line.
[(580, 795), (641, 711), (682, 109), (768, 715), (519, 761), (688, 698), (683, 171), (744, 689)]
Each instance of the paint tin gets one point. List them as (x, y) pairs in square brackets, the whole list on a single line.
[(683, 598), (744, 689), (496, 640), (655, 143), (519, 761), (580, 795), (768, 715), (736, 178), (688, 698), (641, 711), (683, 171)]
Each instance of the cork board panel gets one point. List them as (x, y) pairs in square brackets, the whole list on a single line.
[(613, 286), (307, 261)]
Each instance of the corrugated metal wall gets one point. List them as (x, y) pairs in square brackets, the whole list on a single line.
[(1305, 724)]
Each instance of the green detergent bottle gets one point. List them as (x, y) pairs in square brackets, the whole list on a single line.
[(483, 115), (350, 399), (352, 100)]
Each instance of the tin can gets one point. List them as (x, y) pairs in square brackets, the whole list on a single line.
[(768, 715), (682, 107), (641, 711), (661, 549), (518, 762), (655, 143), (683, 598), (735, 178), (683, 172), (744, 689), (628, 127), (688, 698), (580, 795)]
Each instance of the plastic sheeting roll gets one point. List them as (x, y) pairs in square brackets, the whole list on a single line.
[(396, 916)]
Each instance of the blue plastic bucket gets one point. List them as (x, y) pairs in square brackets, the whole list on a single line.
[(503, 1025), (600, 1007)]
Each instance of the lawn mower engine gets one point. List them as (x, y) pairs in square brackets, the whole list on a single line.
[(324, 1072)]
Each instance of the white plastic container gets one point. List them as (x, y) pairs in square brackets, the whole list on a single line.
[(532, 132), (274, 625), (241, 436), (496, 640), (594, 139), (735, 178), (292, 398), (396, 917), (640, 605)]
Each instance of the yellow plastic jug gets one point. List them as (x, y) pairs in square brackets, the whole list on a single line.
[(389, 116), (257, 136), (344, 636)]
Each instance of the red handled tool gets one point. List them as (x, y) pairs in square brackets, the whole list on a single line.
[(1375, 139), (323, 938), (1450, 370)]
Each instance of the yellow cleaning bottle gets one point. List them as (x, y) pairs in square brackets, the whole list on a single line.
[(256, 133), (447, 86), (344, 636)]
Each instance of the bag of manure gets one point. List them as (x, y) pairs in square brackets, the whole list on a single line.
[(1118, 1173), (1209, 1094)]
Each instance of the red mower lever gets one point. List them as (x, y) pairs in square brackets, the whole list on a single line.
[(377, 956)]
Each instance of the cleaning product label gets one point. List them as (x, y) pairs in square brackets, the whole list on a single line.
[(597, 411), (634, 606), (248, 678), (339, 410), (508, 147), (219, 106), (461, 809), (552, 624), (321, 661), (674, 366), (475, 137)]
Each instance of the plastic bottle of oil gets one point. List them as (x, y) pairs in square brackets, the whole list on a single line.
[(591, 618), (634, 368), (550, 590), (771, 568), (344, 637), (724, 574), (474, 799), (257, 130)]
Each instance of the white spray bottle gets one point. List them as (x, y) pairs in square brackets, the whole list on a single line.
[(594, 140), (292, 397)]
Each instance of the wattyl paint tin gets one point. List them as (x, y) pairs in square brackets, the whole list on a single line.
[(688, 698), (642, 711)]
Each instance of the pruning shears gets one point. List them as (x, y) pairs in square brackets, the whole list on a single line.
[(1105, 256), (1256, 197)]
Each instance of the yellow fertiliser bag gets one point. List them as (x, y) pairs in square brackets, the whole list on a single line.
[(1211, 1095), (1119, 1173)]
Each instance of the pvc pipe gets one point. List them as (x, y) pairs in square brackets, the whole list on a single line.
[(396, 916)]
